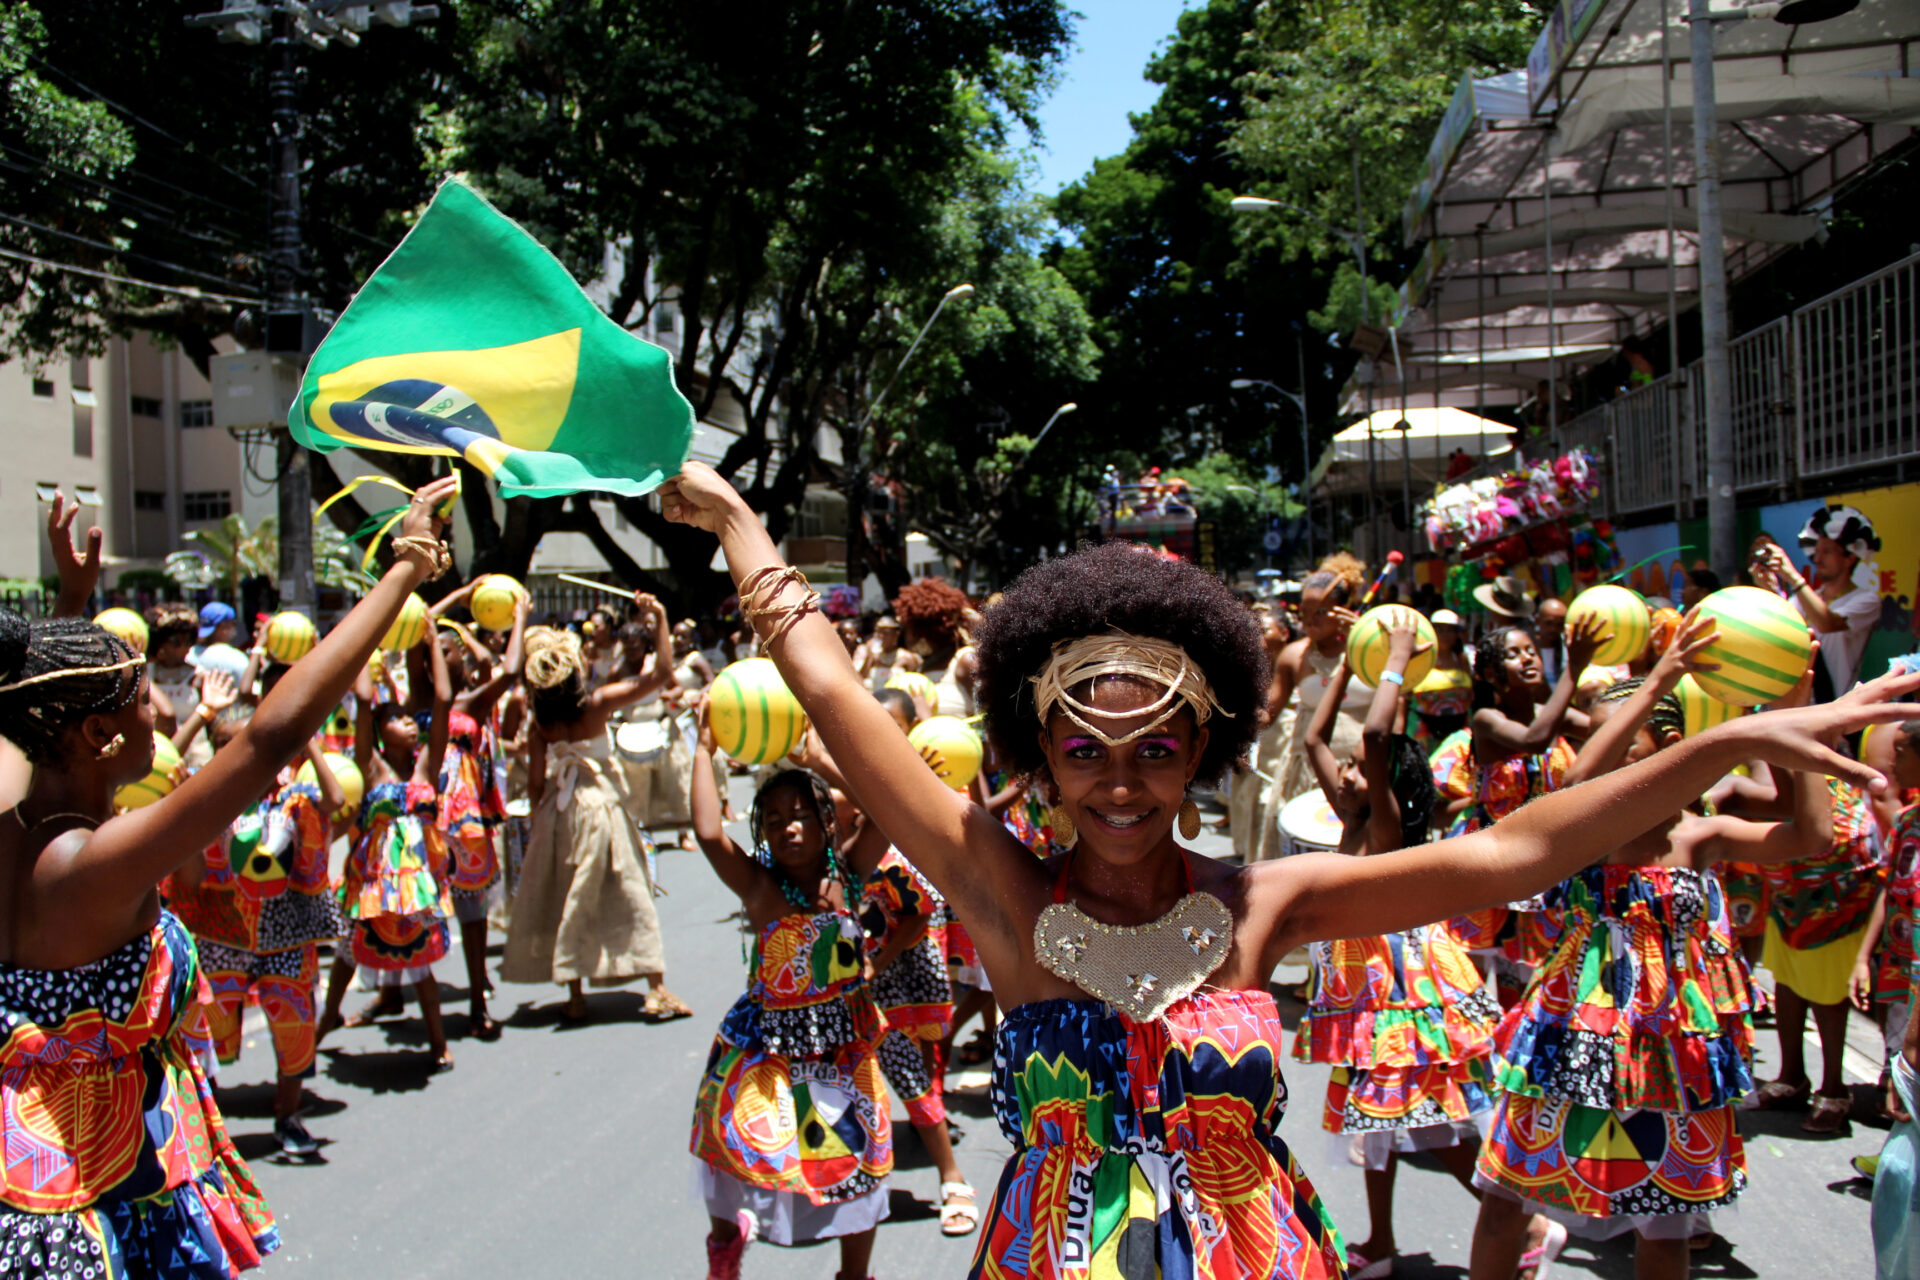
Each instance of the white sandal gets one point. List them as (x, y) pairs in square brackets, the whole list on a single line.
[(958, 1219)]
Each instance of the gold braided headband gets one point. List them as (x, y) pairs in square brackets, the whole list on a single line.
[(45, 676), (1119, 653), (759, 599)]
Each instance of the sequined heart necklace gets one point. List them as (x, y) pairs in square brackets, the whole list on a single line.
[(1140, 969)]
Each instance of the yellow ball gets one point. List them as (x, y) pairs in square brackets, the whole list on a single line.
[(409, 627), (290, 636), (955, 740), (345, 772), (1623, 615), (1367, 645), (1763, 649), (1700, 711), (494, 597), (126, 624), (755, 719), (916, 685), (159, 779)]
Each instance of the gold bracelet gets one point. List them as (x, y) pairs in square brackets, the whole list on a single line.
[(439, 559), (759, 600)]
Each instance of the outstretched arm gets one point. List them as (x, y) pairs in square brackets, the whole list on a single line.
[(128, 854), (1605, 749), (478, 701), (1325, 896), (616, 694), (1320, 757), (729, 861)]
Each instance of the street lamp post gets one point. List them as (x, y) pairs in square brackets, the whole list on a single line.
[(1299, 401), (952, 295), (1068, 407), (1265, 522)]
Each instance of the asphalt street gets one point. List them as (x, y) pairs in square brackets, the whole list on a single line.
[(559, 1151)]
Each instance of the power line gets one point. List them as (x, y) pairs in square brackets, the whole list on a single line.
[(116, 250), (186, 291)]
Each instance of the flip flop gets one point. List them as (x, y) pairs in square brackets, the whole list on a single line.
[(1541, 1259), (1829, 1115), (1358, 1268), (1778, 1095)]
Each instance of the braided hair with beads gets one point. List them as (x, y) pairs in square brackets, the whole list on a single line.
[(67, 669), (823, 806)]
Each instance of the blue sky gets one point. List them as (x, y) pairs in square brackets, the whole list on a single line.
[(1101, 82)]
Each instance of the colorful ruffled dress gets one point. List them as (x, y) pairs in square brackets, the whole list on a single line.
[(1893, 958), (118, 1164), (470, 807), (1623, 1059), (395, 886), (259, 915), (913, 992), (1144, 1149), (1817, 907), (1408, 1025), (1518, 935), (791, 1122)]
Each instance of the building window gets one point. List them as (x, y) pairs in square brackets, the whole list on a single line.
[(82, 430), (196, 413), (45, 490), (43, 388), (209, 504), (144, 406), (663, 318), (149, 500)]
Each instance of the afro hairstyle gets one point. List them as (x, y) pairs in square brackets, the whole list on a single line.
[(1119, 587)]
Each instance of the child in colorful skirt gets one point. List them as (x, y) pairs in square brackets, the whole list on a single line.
[(1883, 970), (472, 803), (791, 1128), (259, 904), (1404, 1018), (395, 889), (1626, 1053)]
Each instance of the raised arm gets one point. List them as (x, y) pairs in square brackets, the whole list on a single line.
[(128, 854), (1385, 832), (1325, 896), (78, 572), (1320, 757), (426, 766), (333, 796), (616, 694), (1607, 747), (447, 603), (479, 700), (961, 848), (730, 862), (217, 693)]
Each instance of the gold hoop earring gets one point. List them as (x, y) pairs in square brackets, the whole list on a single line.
[(1189, 820), (1061, 823), (112, 748)]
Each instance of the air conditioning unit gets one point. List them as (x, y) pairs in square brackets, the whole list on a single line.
[(253, 389)]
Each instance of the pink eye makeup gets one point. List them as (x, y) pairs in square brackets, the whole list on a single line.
[(1074, 744), (1165, 743)]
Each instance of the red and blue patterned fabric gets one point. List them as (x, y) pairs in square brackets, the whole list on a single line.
[(267, 889), (793, 1099), (1623, 1059), (118, 1164), (465, 778), (395, 886), (1519, 932), (1893, 959), (1149, 1149), (1407, 1024), (1818, 900)]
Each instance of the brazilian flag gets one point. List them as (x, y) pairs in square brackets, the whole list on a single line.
[(472, 341)]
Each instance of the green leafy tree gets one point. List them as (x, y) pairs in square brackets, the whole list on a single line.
[(774, 185), (224, 553)]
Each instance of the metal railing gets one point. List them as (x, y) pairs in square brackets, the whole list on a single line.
[(1830, 388)]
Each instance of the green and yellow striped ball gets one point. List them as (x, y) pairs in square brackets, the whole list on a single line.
[(290, 636), (345, 772), (1623, 616), (1763, 648), (916, 685), (126, 624), (956, 742), (1700, 711), (1368, 642), (159, 779), (409, 627), (755, 719), (494, 597)]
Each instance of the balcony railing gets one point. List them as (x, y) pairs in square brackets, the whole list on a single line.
[(1833, 387)]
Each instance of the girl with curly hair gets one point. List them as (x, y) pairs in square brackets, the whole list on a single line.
[(101, 986), (583, 907), (1137, 1071), (931, 613)]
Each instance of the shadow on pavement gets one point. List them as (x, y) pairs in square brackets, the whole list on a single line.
[(381, 1071)]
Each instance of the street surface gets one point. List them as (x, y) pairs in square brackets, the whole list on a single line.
[(563, 1152)]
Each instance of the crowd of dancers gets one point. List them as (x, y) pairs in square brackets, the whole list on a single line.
[(1531, 921)]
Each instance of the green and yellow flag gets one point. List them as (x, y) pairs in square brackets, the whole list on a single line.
[(472, 341)]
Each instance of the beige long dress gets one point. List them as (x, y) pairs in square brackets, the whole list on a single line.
[(1293, 775), (583, 908)]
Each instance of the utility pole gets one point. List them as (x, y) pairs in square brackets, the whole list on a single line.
[(291, 329), (1723, 549)]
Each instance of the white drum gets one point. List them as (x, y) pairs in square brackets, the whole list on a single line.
[(1308, 824)]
